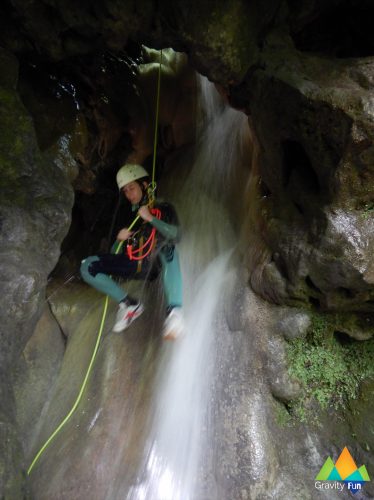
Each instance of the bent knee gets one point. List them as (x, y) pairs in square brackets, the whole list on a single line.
[(85, 267)]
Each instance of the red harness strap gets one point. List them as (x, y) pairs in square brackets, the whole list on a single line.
[(148, 245)]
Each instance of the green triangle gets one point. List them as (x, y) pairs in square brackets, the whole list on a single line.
[(355, 476), (334, 475), (364, 473), (326, 470)]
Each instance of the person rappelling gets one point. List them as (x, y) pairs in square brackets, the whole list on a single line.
[(150, 248)]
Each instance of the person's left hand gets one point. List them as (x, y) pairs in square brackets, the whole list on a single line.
[(145, 214)]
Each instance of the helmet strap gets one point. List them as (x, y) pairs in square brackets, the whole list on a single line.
[(144, 200)]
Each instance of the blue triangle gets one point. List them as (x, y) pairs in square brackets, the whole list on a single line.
[(355, 476), (334, 475)]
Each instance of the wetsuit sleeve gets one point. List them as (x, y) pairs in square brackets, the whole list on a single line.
[(168, 231), (168, 226)]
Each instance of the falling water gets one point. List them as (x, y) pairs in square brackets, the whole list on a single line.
[(173, 469)]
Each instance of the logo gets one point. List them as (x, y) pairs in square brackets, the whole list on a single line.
[(343, 473)]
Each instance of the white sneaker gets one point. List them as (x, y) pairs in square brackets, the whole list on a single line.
[(126, 315), (174, 324)]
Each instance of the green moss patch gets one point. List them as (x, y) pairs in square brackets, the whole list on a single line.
[(329, 366), (368, 210)]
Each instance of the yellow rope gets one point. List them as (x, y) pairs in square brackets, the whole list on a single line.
[(156, 120), (84, 384), (77, 401)]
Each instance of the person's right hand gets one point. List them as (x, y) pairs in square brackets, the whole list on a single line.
[(124, 234)]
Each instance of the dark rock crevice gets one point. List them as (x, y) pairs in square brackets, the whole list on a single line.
[(296, 162), (343, 32)]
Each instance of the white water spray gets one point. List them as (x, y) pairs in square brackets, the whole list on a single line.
[(172, 469)]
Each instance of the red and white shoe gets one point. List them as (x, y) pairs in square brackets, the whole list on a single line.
[(174, 324), (126, 315)]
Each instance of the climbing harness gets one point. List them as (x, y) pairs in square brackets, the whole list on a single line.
[(151, 190), (148, 245)]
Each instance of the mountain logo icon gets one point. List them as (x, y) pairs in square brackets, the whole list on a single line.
[(344, 469)]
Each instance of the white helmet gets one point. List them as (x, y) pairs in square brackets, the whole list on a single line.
[(129, 173)]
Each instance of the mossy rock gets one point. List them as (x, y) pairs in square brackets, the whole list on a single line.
[(360, 415), (328, 367), (359, 326)]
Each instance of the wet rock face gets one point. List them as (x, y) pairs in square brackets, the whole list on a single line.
[(34, 212), (35, 373), (313, 120), (35, 206)]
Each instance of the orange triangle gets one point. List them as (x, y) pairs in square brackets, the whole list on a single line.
[(345, 464)]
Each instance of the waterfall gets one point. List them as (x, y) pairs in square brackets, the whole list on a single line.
[(173, 467)]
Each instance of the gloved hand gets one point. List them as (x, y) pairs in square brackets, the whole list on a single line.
[(124, 234), (145, 214)]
